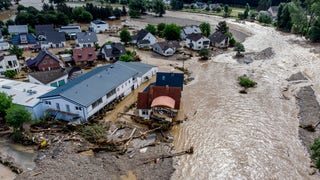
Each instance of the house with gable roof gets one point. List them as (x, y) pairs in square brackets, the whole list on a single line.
[(18, 29), (144, 39), (161, 100), (9, 62), (45, 61), (84, 56), (86, 39), (188, 30), (54, 78), (166, 48), (197, 42), (112, 52), (98, 26), (42, 30), (218, 39), (82, 97)]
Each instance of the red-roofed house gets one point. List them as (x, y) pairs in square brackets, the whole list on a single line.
[(160, 103), (84, 56)]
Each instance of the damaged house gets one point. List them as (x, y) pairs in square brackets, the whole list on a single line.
[(84, 96), (161, 100)]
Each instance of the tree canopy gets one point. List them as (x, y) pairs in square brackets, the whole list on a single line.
[(171, 32), (125, 36), (151, 28), (205, 28), (16, 116), (5, 103), (159, 7), (222, 27), (16, 50), (137, 8), (176, 4)]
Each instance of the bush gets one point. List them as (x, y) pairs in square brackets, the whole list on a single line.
[(10, 73), (246, 82), (218, 9), (93, 133), (315, 154), (264, 18), (125, 58)]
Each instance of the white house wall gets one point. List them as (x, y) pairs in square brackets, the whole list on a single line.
[(4, 47), (98, 28), (151, 38), (62, 103)]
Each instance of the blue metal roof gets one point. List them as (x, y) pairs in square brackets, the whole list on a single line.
[(93, 85), (170, 79), (142, 68), (31, 39)]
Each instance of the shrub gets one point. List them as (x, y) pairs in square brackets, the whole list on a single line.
[(264, 18), (93, 133), (125, 58), (246, 82), (315, 154), (10, 73)]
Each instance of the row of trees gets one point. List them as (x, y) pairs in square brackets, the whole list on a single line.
[(64, 14), (140, 7), (300, 18)]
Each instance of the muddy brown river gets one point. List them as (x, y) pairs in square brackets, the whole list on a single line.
[(244, 136)]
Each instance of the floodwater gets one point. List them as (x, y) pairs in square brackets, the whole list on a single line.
[(21, 155)]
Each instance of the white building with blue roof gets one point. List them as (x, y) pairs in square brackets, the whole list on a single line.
[(87, 94)]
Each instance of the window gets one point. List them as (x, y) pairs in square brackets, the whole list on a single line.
[(58, 106), (96, 103), (68, 108), (44, 62), (112, 92), (78, 108), (163, 78), (129, 81), (47, 102)]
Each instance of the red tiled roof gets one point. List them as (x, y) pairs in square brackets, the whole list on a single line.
[(163, 101), (145, 98), (84, 54)]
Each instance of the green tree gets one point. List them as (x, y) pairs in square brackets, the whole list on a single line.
[(227, 11), (284, 21), (176, 4), (5, 103), (171, 32), (124, 11), (151, 28), (265, 18), (205, 28), (125, 36), (314, 32), (137, 7), (264, 4), (239, 48), (315, 154), (5, 4), (20, 8), (222, 27), (10, 73), (126, 58), (160, 28), (159, 7), (246, 11), (298, 17), (204, 53), (16, 116), (16, 50)]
